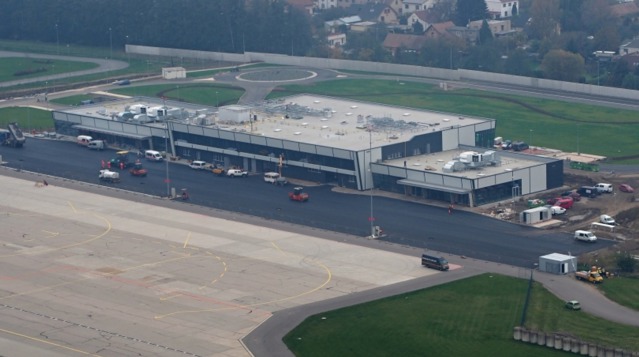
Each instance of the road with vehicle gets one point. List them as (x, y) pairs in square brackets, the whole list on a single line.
[(414, 224)]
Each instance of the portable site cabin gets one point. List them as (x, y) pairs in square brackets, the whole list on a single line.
[(556, 263), (535, 215), (173, 72)]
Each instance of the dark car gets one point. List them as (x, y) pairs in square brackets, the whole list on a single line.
[(624, 187), (574, 195)]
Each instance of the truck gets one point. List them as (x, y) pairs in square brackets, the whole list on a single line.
[(109, 176), (13, 136), (590, 276)]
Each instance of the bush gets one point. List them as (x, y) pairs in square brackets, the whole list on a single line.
[(626, 262)]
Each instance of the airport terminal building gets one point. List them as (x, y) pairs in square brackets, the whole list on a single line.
[(348, 143)]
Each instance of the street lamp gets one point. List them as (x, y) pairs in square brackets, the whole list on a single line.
[(371, 218), (531, 134), (217, 100), (166, 159), (127, 52), (111, 42), (57, 39)]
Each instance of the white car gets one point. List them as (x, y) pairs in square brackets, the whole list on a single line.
[(555, 210), (198, 165), (606, 219), (236, 173)]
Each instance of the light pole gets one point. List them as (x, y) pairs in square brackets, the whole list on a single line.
[(111, 42), (57, 39), (127, 52), (166, 159), (217, 100), (531, 134), (370, 159)]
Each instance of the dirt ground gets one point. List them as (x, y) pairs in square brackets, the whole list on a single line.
[(622, 206)]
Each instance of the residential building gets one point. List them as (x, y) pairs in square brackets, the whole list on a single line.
[(336, 40), (439, 30), (497, 27), (398, 41), (500, 9), (629, 47), (306, 6)]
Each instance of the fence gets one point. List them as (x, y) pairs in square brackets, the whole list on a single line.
[(566, 343)]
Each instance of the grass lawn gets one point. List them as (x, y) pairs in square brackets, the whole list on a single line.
[(205, 94), (27, 118), (11, 66), (623, 290), (470, 317), (540, 122)]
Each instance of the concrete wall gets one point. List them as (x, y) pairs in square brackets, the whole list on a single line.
[(567, 343), (387, 68)]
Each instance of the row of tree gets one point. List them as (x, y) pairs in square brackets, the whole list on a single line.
[(220, 25), (559, 38)]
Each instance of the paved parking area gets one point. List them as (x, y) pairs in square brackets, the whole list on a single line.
[(83, 273)]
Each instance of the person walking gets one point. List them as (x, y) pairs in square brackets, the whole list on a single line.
[(450, 209), (102, 164)]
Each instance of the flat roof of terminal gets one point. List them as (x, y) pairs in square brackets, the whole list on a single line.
[(319, 120), (435, 162)]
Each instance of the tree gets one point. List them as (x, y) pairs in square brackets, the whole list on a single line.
[(514, 10), (485, 35), (418, 28), (470, 10), (626, 262), (544, 19), (563, 66)]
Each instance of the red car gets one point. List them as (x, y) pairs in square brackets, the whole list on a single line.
[(624, 187)]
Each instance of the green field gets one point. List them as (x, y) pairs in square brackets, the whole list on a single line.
[(540, 122), (12, 67), (27, 118), (470, 317)]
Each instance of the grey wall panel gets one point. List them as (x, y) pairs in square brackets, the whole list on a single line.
[(450, 140), (102, 124), (434, 179), (183, 128), (485, 181), (228, 135), (415, 175), (274, 143), (397, 172), (312, 149), (244, 138), (143, 130), (195, 129), (116, 126), (258, 140), (343, 154), (485, 125), (538, 178), (211, 133), (61, 116), (323, 150), (467, 135), (158, 132), (291, 145), (129, 128), (452, 181), (87, 121)]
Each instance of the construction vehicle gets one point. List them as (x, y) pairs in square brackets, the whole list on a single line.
[(13, 136), (109, 176), (121, 160), (138, 170), (592, 276), (298, 194), (218, 169)]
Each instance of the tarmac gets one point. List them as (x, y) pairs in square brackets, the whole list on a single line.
[(110, 272)]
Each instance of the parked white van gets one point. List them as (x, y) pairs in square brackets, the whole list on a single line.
[(84, 140), (198, 165), (153, 155), (96, 145), (271, 177), (604, 187), (586, 236)]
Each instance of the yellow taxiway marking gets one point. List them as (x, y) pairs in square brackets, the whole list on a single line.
[(186, 242), (47, 342)]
